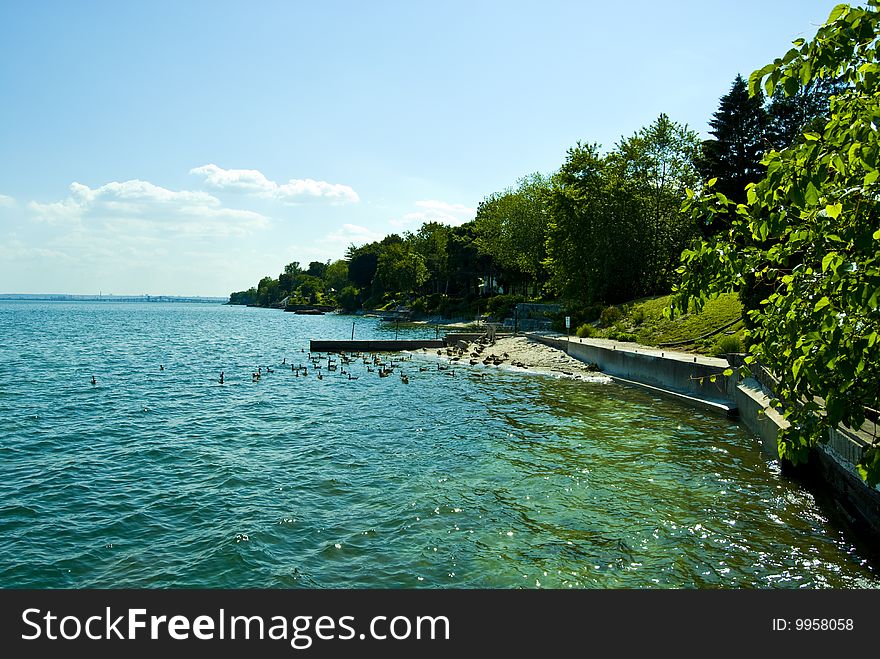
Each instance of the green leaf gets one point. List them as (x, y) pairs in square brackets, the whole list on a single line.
[(811, 136), (829, 257), (821, 304), (727, 372), (790, 85), (837, 12), (812, 194), (870, 177), (796, 366), (834, 210)]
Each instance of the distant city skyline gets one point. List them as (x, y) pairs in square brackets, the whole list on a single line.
[(192, 148)]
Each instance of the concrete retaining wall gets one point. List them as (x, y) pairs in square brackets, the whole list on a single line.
[(681, 373), (676, 371)]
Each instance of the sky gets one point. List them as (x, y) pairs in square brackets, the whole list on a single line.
[(192, 148)]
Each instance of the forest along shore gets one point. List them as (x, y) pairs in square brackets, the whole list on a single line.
[(521, 353)]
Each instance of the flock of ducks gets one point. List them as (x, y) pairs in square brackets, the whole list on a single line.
[(339, 364), (342, 363)]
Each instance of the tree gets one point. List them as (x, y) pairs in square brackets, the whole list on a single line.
[(660, 162), (317, 269), (289, 279), (616, 229), (790, 116), (244, 297), (362, 267), (811, 229), (466, 265), (431, 242), (267, 291), (400, 270), (511, 228), (336, 275), (734, 156), (591, 235)]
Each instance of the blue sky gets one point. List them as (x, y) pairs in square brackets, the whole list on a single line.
[(193, 147)]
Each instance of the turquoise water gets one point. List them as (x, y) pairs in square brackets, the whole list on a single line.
[(166, 478)]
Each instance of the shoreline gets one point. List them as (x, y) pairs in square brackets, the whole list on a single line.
[(521, 354)]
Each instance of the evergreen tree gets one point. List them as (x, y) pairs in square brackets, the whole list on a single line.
[(734, 156), (789, 116)]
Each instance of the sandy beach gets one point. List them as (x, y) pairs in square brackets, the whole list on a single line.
[(523, 354)]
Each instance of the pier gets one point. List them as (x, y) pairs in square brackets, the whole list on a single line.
[(373, 345)]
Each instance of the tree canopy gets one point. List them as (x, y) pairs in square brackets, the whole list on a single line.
[(810, 230)]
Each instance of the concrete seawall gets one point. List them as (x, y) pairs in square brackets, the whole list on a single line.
[(692, 379), (688, 378)]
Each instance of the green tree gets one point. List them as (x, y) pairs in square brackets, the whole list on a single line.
[(431, 242), (591, 235), (400, 270), (336, 275), (309, 289), (466, 265), (733, 157), (659, 161), (317, 269), (244, 297), (811, 229), (790, 116), (511, 228), (267, 291), (289, 279), (362, 266), (348, 299)]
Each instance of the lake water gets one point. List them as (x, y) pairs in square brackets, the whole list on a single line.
[(166, 478)]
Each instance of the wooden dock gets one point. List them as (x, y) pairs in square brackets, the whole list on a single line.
[(373, 345)]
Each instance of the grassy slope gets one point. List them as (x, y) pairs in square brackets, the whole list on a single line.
[(644, 318)]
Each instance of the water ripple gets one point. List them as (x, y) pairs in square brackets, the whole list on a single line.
[(162, 477)]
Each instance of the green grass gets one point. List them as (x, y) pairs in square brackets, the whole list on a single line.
[(644, 318)]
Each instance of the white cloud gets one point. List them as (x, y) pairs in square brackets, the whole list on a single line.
[(253, 181), (143, 206), (432, 210), (13, 249), (6, 201)]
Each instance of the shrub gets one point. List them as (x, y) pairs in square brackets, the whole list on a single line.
[(609, 316), (726, 344), (627, 337), (347, 298), (586, 331), (638, 316)]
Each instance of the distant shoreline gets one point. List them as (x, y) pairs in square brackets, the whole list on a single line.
[(63, 297)]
